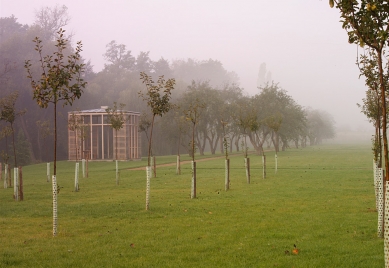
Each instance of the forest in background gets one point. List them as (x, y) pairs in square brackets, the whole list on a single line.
[(270, 118)]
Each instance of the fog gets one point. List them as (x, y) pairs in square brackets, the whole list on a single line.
[(301, 42)]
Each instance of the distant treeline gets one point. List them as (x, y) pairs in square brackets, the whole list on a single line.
[(270, 117)]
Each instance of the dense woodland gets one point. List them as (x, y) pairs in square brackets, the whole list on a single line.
[(269, 118)]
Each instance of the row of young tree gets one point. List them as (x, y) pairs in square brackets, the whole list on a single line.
[(272, 115)]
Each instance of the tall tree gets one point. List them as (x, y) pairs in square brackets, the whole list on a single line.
[(51, 20), (61, 79), (159, 104), (367, 24)]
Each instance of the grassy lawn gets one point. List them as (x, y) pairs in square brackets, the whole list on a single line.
[(321, 199)]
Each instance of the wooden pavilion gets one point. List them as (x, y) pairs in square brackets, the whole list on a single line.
[(94, 138)]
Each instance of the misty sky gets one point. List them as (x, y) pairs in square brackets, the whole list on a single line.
[(301, 42)]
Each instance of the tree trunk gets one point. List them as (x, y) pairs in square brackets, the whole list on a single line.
[(384, 113)]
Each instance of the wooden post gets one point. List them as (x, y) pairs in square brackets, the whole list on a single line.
[(83, 168), (20, 184), (247, 166), (193, 191), (5, 176), (264, 166), (1, 171), (178, 166)]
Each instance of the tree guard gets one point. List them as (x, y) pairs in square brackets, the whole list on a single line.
[(55, 215), (76, 186), (117, 173), (227, 175), (178, 166), (375, 174), (386, 240), (148, 177), (380, 181), (16, 184), (48, 172)]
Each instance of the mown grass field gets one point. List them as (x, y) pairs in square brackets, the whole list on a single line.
[(321, 199)]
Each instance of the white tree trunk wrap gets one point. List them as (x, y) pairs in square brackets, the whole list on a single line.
[(380, 181), (117, 173), (193, 187), (386, 236), (83, 168), (375, 174), (276, 164), (148, 178), (227, 175), (76, 186), (178, 166), (16, 184), (55, 215), (5, 177), (48, 171)]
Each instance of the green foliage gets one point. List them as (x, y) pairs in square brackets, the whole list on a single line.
[(158, 103), (193, 114), (116, 116), (117, 119), (61, 79)]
